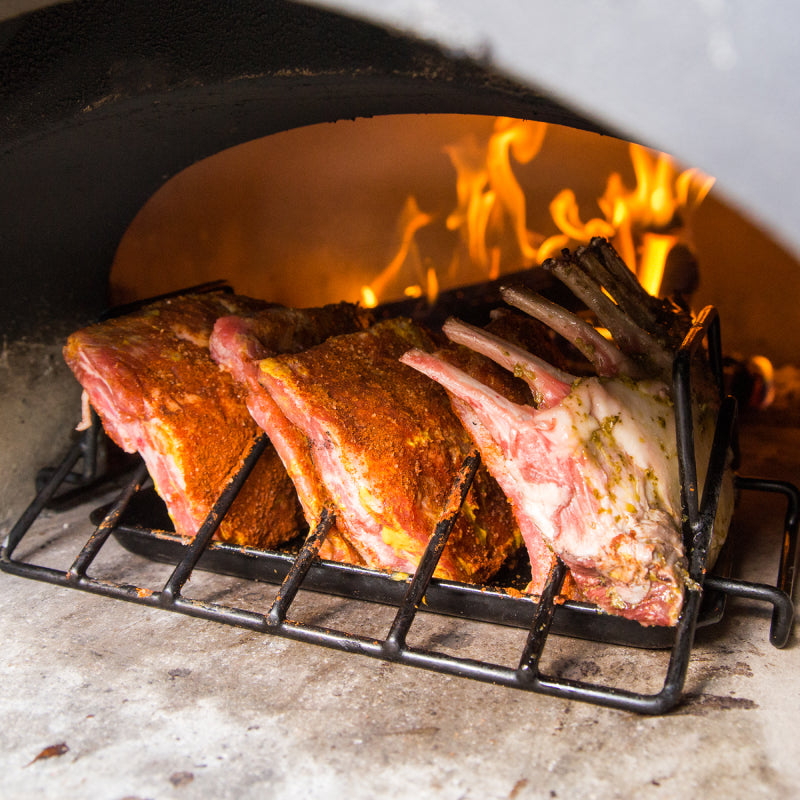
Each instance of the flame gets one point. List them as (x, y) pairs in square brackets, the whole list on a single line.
[(432, 286), (490, 216), (411, 220), (645, 222), (488, 191), (653, 259), (565, 213)]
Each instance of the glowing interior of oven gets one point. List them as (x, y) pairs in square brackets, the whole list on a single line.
[(372, 210)]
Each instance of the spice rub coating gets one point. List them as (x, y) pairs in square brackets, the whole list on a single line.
[(239, 342), (385, 446), (150, 377)]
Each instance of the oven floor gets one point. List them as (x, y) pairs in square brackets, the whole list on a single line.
[(106, 699)]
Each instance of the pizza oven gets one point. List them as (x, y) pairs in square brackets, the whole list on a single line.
[(91, 132), (119, 118)]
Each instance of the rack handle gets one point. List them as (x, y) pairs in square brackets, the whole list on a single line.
[(782, 612)]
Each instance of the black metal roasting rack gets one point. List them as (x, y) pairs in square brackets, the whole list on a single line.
[(704, 601)]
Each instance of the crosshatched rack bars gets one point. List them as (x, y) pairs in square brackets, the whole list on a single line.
[(699, 512)]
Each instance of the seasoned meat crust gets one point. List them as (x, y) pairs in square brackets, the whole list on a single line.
[(238, 343), (150, 377), (384, 446)]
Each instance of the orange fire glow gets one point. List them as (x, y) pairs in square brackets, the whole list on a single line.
[(407, 259), (644, 223), (490, 219), (488, 192)]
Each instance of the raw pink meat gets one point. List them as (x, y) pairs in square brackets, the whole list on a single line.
[(380, 445), (239, 343)]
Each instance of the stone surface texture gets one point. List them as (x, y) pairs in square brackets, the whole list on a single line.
[(107, 699)]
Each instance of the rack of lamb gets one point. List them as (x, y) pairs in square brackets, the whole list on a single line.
[(368, 437), (150, 377), (591, 465)]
